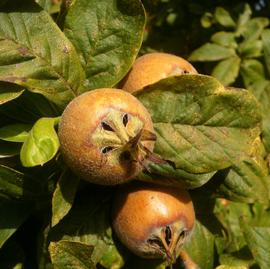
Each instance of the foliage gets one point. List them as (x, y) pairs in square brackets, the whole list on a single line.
[(215, 138)]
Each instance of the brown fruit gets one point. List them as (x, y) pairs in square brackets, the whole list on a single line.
[(153, 67), (105, 136), (153, 221)]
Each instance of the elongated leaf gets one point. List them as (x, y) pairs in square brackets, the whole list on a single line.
[(167, 174), (251, 49), (19, 186), (36, 54), (261, 89), (12, 215), (254, 28), (72, 255), (243, 20), (226, 39), (252, 70), (198, 122), (223, 17), (63, 196), (246, 182), (227, 70), (200, 246), (258, 240), (41, 144), (211, 52), (9, 92), (266, 47), (107, 34), (15, 132)]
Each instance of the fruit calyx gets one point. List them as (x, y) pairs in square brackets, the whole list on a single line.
[(168, 240), (121, 136)]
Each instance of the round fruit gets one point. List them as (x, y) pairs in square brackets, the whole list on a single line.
[(153, 67), (153, 221), (105, 136)]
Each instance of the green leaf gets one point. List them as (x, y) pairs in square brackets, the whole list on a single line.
[(112, 258), (243, 20), (50, 6), (246, 182), (17, 132), (198, 122), (36, 54), (167, 174), (9, 92), (225, 39), (63, 196), (251, 49), (107, 34), (251, 71), (254, 28), (266, 47), (88, 222), (207, 20), (211, 52), (12, 215), (19, 186), (261, 89), (258, 240), (230, 214), (72, 255), (41, 144), (223, 17), (200, 246), (227, 70)]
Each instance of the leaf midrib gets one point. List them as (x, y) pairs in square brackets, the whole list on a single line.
[(36, 55)]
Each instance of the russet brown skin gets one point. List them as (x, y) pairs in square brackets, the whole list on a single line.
[(152, 67), (141, 213), (82, 137)]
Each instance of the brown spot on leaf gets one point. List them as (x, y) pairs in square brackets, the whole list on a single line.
[(65, 49), (23, 51)]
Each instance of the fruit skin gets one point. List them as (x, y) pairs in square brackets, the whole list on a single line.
[(82, 136), (141, 214), (153, 67)]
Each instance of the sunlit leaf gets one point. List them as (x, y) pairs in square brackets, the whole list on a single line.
[(41, 144), (107, 34), (35, 54)]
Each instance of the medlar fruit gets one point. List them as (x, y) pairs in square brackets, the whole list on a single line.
[(105, 136), (153, 221), (153, 67)]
